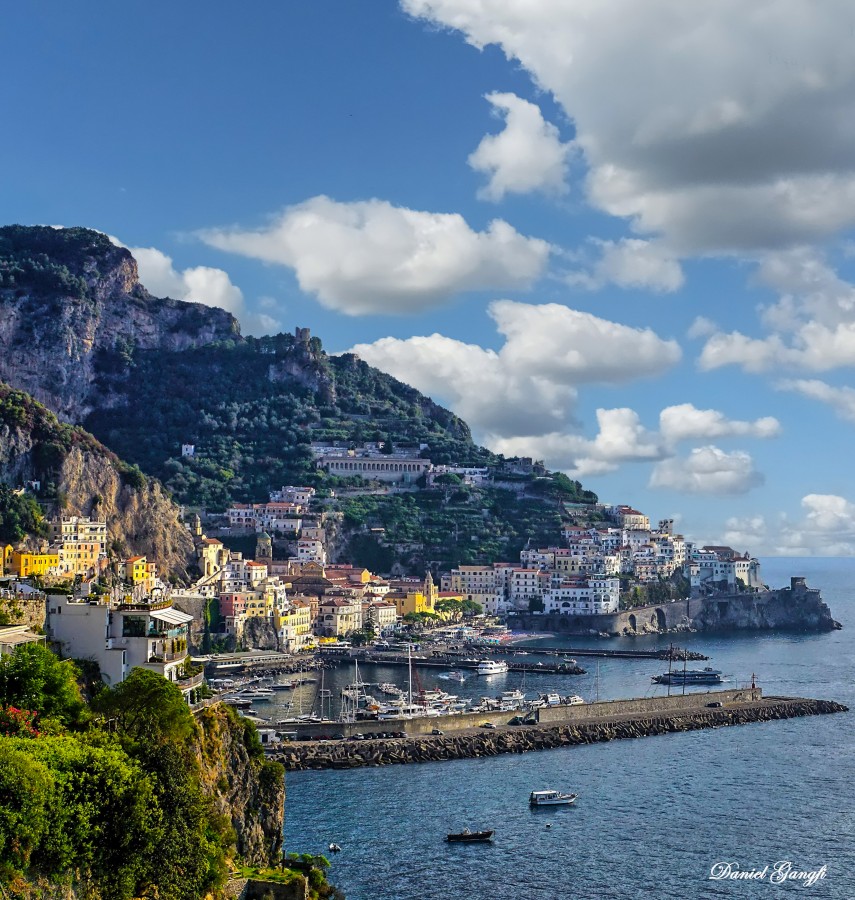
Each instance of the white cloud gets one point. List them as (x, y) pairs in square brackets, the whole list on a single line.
[(687, 422), (527, 155), (812, 324), (620, 438), (724, 128), (371, 257), (631, 263), (199, 284), (557, 342), (701, 327), (527, 387), (825, 528), (495, 399), (840, 399), (707, 470)]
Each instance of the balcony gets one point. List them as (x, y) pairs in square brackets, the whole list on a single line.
[(191, 682)]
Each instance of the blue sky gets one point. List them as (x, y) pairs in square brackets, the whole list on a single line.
[(616, 236)]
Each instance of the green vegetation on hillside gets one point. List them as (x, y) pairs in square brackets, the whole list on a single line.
[(109, 800), (454, 527), (251, 407)]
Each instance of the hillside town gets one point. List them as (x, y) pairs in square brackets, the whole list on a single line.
[(124, 612)]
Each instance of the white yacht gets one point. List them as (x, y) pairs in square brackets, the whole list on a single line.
[(575, 700), (492, 667), (551, 798)]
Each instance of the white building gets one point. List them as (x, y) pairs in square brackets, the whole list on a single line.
[(378, 467), (595, 595), (124, 636)]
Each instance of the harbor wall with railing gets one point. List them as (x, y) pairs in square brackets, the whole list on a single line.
[(563, 714), (343, 754)]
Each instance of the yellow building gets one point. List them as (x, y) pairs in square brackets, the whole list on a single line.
[(7, 558), (410, 602), (24, 564), (136, 569), (81, 543), (295, 627)]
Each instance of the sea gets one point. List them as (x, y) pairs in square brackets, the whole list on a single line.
[(676, 816)]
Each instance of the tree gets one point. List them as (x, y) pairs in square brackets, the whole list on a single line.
[(147, 707), (450, 608), (33, 678)]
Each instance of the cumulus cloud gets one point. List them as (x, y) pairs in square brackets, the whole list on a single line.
[(811, 325), (701, 327), (722, 131), (840, 399), (825, 527), (630, 263), (372, 257), (621, 438), (707, 470), (527, 387), (527, 155), (686, 422), (201, 284)]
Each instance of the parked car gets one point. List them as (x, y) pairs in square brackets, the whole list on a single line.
[(487, 725), (437, 731), (715, 704)]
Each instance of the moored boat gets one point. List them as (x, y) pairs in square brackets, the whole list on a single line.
[(551, 798), (470, 837), (707, 675), (492, 667)]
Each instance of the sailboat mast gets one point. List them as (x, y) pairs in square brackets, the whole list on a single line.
[(410, 676)]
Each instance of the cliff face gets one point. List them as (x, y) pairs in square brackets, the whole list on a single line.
[(72, 309), (796, 608), (243, 786), (87, 479)]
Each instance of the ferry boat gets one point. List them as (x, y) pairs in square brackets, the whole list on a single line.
[(492, 667), (551, 798), (690, 676)]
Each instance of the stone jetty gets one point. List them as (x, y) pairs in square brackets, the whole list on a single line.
[(472, 743)]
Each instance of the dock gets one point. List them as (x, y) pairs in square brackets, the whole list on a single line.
[(672, 653), (566, 726), (454, 662)]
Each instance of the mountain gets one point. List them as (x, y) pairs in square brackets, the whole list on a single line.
[(77, 475), (73, 306), (147, 376)]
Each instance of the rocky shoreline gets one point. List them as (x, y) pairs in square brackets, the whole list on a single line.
[(299, 756)]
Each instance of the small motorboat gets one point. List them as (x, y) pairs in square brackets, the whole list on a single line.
[(469, 837), (551, 798), (334, 848)]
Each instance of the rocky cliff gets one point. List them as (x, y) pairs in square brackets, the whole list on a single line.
[(72, 309), (243, 786), (79, 476), (796, 608)]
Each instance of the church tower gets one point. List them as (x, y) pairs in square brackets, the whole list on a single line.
[(430, 591), (264, 547)]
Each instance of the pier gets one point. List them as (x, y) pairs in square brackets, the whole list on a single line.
[(554, 727), (673, 653), (454, 662)]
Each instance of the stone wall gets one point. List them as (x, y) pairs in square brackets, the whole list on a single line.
[(30, 611), (523, 739), (424, 725), (258, 889)]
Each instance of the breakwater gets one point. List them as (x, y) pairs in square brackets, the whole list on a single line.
[(468, 744)]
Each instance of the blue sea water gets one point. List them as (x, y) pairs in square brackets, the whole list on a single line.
[(654, 815)]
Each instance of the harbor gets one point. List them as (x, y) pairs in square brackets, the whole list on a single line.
[(553, 728)]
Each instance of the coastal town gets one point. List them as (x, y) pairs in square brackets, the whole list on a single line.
[(127, 612)]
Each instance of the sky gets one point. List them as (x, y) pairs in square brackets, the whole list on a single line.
[(615, 236)]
